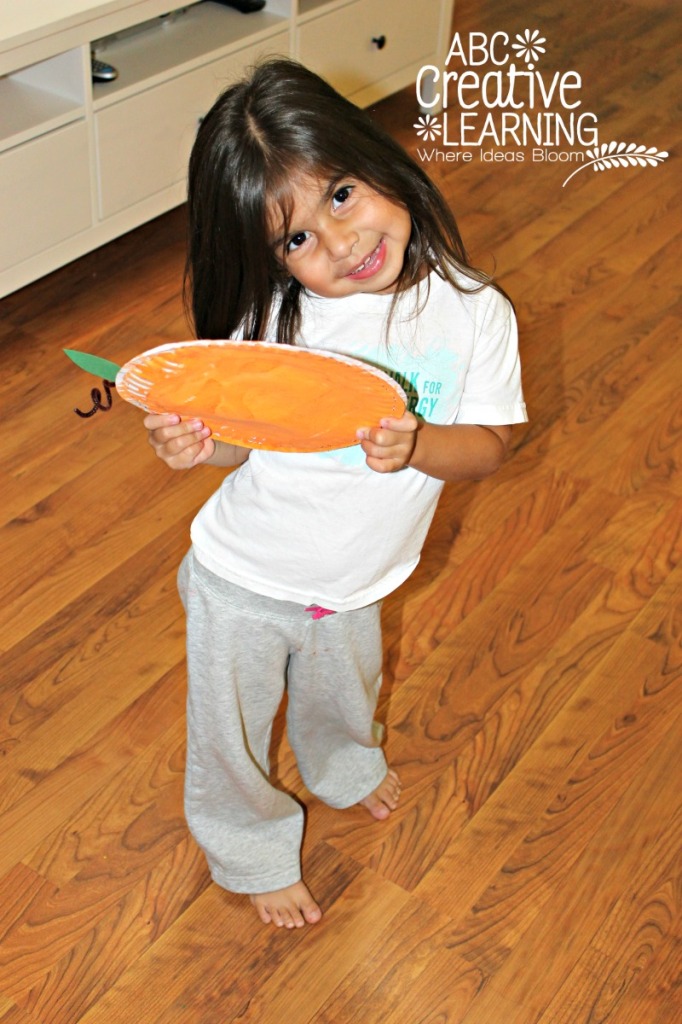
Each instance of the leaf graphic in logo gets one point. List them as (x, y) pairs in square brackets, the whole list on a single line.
[(428, 127), (529, 46), (620, 154)]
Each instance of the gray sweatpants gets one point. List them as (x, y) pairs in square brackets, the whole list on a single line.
[(242, 648)]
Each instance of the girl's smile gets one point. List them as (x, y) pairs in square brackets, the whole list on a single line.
[(343, 238), (372, 264)]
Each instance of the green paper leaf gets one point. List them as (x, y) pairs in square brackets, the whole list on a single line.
[(102, 368)]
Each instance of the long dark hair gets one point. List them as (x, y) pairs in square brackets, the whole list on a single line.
[(260, 136)]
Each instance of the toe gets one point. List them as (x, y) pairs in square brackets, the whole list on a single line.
[(276, 917), (385, 798), (295, 917), (376, 807), (262, 910), (312, 914), (290, 908)]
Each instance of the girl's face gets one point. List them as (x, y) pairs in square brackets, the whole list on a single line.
[(344, 238)]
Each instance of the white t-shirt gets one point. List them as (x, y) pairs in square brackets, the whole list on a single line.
[(323, 528)]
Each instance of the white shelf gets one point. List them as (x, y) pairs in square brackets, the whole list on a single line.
[(31, 30), (168, 47), (27, 112), (313, 8), (40, 98), (83, 162)]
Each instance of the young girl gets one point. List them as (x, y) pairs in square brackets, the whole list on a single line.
[(311, 227)]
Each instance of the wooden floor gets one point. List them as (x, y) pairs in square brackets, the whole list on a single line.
[(533, 696)]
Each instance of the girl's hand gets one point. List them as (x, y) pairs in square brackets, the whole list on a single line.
[(181, 444), (389, 446)]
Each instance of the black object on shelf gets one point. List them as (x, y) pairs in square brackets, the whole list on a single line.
[(101, 71), (245, 6)]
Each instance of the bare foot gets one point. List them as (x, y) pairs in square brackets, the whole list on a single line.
[(292, 907), (385, 797)]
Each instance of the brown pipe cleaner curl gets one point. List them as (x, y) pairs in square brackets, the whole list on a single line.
[(97, 403)]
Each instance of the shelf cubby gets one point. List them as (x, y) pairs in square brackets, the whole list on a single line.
[(41, 98), (170, 46)]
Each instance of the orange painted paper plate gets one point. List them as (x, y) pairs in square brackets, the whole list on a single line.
[(260, 395)]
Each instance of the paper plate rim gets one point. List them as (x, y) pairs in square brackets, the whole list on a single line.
[(125, 386)]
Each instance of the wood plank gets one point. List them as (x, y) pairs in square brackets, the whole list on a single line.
[(633, 961), (210, 966), (57, 794), (458, 572), (619, 854), (503, 821), (56, 980), (413, 970), (63, 564)]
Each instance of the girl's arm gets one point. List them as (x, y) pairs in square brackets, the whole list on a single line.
[(183, 444), (460, 451)]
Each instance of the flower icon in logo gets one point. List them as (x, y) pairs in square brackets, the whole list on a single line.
[(529, 45), (428, 127)]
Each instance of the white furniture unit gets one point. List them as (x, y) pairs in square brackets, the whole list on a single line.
[(80, 163)]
